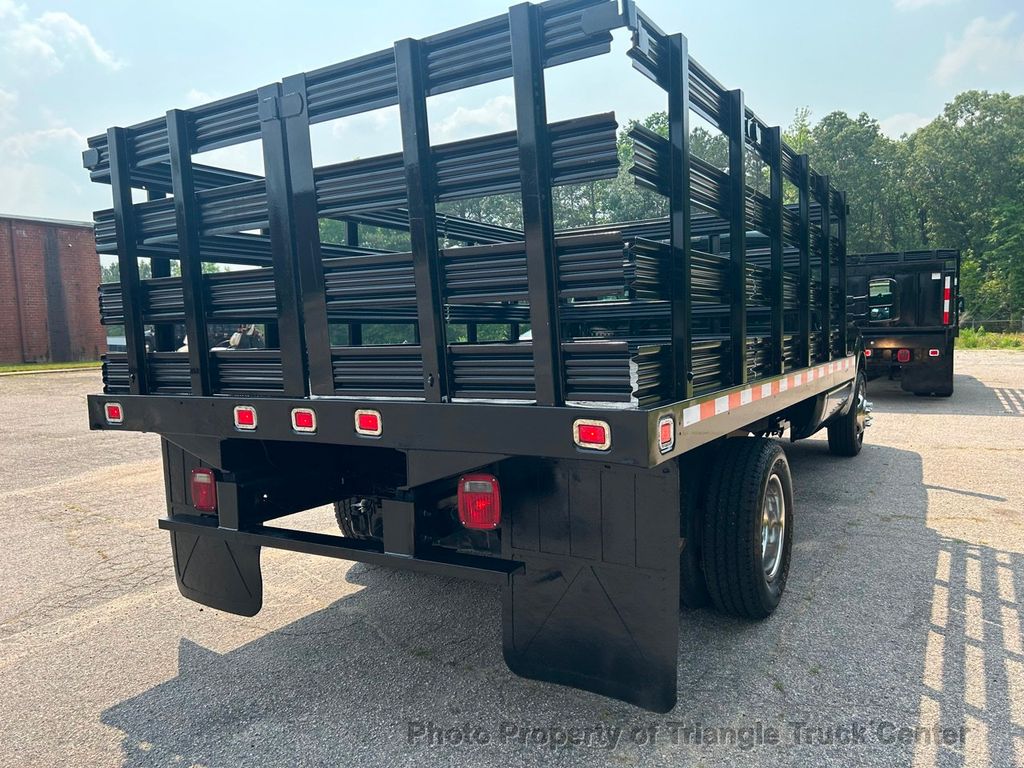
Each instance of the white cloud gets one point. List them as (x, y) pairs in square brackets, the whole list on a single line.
[(41, 176), (495, 115), (37, 189), (22, 146), (10, 9), (247, 157), (49, 40), (916, 5), (7, 101), (986, 47), (896, 125), (196, 97), (386, 119)]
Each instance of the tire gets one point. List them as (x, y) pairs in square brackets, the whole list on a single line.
[(745, 575), (355, 522), (846, 433), (342, 514)]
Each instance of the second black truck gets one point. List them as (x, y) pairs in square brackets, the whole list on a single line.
[(908, 307)]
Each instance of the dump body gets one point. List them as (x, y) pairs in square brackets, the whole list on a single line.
[(907, 308), (577, 367)]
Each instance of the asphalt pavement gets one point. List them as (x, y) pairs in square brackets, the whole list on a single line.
[(899, 640)]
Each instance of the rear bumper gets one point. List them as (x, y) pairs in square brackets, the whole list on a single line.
[(929, 369)]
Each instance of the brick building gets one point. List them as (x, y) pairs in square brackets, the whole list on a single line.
[(49, 271)]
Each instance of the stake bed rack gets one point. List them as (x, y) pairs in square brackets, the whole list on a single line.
[(619, 354)]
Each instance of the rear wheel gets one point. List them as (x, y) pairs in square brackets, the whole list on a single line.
[(359, 518), (748, 527), (846, 433)]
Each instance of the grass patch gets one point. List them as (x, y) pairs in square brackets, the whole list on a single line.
[(27, 367), (979, 338)]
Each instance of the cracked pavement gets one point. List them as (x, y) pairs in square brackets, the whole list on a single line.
[(901, 613)]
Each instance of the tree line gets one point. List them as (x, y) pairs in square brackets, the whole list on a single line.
[(957, 182)]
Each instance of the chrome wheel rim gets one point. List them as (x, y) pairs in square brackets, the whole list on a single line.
[(773, 527), (861, 416)]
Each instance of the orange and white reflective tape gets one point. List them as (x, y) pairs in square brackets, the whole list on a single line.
[(694, 414)]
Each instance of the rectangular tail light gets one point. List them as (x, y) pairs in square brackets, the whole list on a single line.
[(666, 434), (114, 413), (369, 423), (304, 420), (933, 353), (591, 434), (479, 502), (245, 418), (204, 490)]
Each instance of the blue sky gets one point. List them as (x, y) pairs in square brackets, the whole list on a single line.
[(69, 70)]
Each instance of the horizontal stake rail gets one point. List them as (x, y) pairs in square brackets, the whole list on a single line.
[(733, 285)]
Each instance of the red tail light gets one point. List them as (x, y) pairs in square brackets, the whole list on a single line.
[(304, 420), (867, 353), (666, 434), (369, 423), (114, 413), (204, 490), (245, 417), (479, 502), (903, 356), (596, 435), (933, 353)]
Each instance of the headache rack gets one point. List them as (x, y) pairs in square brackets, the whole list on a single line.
[(734, 286)]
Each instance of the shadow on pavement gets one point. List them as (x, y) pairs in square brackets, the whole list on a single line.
[(887, 631), (971, 397)]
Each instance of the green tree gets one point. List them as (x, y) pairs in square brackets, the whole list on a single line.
[(798, 135), (967, 178), (871, 168), (111, 273)]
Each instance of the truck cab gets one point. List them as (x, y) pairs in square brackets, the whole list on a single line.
[(907, 306)]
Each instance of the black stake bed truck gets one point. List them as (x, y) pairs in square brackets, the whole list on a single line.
[(602, 456), (907, 308)]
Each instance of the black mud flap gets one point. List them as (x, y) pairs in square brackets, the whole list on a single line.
[(597, 606), (219, 573), (930, 375)]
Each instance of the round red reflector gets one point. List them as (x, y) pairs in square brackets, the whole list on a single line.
[(867, 353)]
